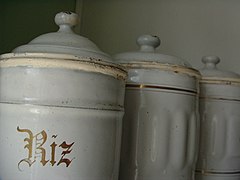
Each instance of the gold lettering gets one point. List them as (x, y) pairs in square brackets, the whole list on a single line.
[(36, 141), (53, 146), (41, 138), (28, 146), (35, 149), (64, 145)]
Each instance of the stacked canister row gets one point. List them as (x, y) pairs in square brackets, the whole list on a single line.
[(68, 112)]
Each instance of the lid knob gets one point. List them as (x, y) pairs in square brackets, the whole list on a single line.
[(66, 20), (210, 61), (148, 43)]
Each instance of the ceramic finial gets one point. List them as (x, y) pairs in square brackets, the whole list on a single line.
[(148, 42), (66, 20), (210, 61)]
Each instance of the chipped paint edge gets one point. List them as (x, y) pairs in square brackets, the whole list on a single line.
[(62, 61), (166, 67), (220, 81)]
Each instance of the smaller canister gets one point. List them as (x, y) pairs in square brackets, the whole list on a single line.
[(160, 126), (219, 154)]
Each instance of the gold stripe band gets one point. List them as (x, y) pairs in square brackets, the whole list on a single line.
[(144, 86), (213, 173), (222, 99)]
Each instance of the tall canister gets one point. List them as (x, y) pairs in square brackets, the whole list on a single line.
[(160, 124), (61, 108), (219, 154)]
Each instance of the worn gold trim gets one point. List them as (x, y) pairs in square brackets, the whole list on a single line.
[(217, 80), (145, 86), (41, 60), (206, 172), (102, 108), (219, 98), (165, 67)]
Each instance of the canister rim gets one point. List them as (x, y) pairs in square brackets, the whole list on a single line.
[(163, 66), (52, 60), (220, 81)]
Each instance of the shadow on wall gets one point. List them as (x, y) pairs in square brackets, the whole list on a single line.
[(21, 21)]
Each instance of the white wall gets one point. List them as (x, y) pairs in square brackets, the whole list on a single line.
[(187, 28)]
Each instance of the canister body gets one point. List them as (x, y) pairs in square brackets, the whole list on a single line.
[(219, 155), (41, 143), (59, 123), (160, 127)]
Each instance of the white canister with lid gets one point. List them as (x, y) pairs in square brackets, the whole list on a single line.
[(219, 154), (61, 108), (160, 126)]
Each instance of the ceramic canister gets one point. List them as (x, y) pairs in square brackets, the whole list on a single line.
[(160, 125), (219, 154), (61, 108)]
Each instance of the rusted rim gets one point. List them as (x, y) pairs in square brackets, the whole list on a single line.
[(216, 80), (50, 60), (165, 67)]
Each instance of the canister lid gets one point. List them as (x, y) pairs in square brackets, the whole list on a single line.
[(147, 53), (148, 69), (211, 74), (64, 41)]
